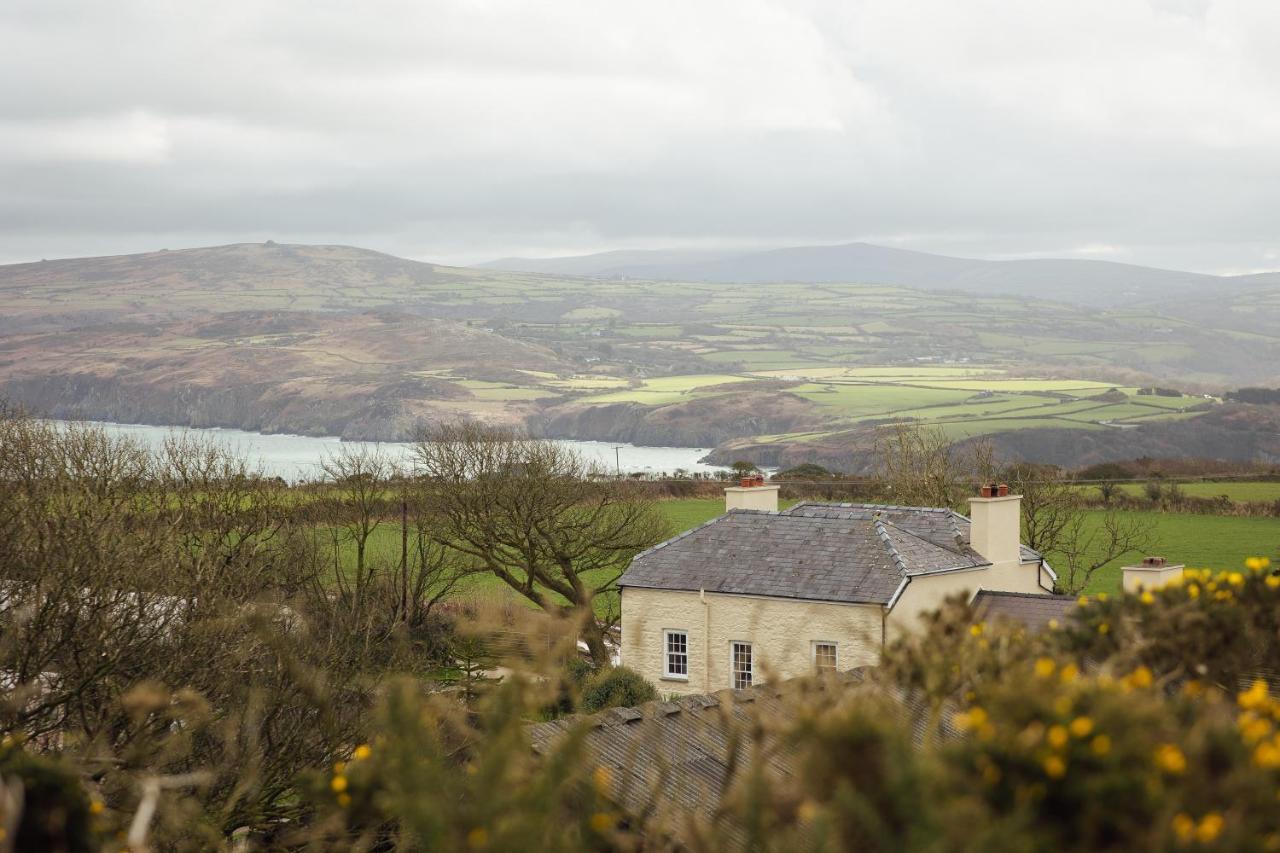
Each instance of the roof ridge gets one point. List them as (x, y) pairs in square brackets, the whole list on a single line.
[(893, 549), (927, 541), (864, 505)]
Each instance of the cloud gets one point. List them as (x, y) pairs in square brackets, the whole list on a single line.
[(467, 130)]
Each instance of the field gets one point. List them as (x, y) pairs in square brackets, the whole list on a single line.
[(361, 345), (1199, 541), (1235, 490)]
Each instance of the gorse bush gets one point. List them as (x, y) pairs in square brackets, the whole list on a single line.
[(617, 686), (182, 667)]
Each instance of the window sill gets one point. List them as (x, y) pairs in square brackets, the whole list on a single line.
[(674, 678)]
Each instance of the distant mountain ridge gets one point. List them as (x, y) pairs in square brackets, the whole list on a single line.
[(1089, 282)]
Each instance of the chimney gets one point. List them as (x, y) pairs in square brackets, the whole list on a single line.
[(995, 522), (1151, 573), (751, 493)]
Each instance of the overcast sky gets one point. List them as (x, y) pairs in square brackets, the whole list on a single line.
[(1138, 130)]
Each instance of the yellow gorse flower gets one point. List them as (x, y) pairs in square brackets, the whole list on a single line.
[(1209, 828), (1170, 759), (1100, 745), (1054, 767), (1045, 667), (362, 752), (1081, 727), (1057, 737), (1256, 697)]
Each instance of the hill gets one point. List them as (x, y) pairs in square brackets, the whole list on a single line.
[(342, 340), (1088, 282)]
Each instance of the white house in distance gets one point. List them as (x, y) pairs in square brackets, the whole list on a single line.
[(760, 594)]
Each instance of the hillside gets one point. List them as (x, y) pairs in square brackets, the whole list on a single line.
[(341, 340), (1088, 282)]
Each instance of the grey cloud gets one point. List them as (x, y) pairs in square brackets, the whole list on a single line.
[(463, 131)]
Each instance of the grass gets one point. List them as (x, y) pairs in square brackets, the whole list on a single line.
[(1236, 490), (1199, 541)]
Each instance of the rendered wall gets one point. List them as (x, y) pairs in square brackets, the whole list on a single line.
[(927, 592), (781, 632)]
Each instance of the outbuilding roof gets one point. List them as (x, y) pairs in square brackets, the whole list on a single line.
[(1034, 611), (850, 553)]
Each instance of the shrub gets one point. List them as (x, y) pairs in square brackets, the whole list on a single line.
[(55, 809), (617, 687)]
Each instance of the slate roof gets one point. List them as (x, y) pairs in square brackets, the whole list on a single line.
[(853, 553), (671, 762), (1034, 611)]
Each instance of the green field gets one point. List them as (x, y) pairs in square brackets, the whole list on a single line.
[(1199, 541), (1235, 490)]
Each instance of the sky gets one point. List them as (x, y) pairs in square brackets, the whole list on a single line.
[(1144, 131)]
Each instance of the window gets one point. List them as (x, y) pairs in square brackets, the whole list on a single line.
[(824, 657), (741, 660), (677, 654)]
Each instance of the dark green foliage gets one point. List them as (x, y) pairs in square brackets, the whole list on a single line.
[(55, 809), (617, 687)]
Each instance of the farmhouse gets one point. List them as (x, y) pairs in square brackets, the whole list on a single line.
[(759, 594)]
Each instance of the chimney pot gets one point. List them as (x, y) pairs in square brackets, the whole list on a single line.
[(1154, 562), (1003, 490)]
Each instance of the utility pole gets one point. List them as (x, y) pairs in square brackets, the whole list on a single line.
[(617, 458)]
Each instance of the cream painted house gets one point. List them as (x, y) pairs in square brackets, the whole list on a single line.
[(759, 594)]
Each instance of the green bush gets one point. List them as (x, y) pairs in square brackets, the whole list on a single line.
[(617, 687), (55, 809)]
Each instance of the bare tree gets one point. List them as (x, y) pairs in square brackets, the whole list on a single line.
[(537, 517), (921, 466), (1077, 541)]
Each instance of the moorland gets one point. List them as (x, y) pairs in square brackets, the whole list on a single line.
[(343, 341)]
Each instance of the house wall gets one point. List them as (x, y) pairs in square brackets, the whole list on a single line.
[(927, 592), (781, 632)]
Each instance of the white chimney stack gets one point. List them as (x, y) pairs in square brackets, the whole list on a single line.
[(751, 493), (1154, 573), (995, 522)]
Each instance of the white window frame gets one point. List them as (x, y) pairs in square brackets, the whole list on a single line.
[(667, 674), (813, 653), (733, 664)]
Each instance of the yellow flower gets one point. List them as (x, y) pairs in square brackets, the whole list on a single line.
[(1193, 591), (344, 800), (1081, 727), (1053, 624), (1100, 745), (1147, 597), (1102, 596), (1253, 728), (602, 822), (1045, 667), (1193, 688), (1140, 677), (362, 752), (1057, 737), (1273, 581), (478, 837), (1210, 828), (1104, 627), (1170, 759), (1267, 756), (807, 811), (1254, 564), (1235, 579), (1255, 697), (1183, 826), (1083, 601), (339, 767), (1054, 767), (602, 778), (1069, 673), (976, 629), (96, 807), (338, 784)]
